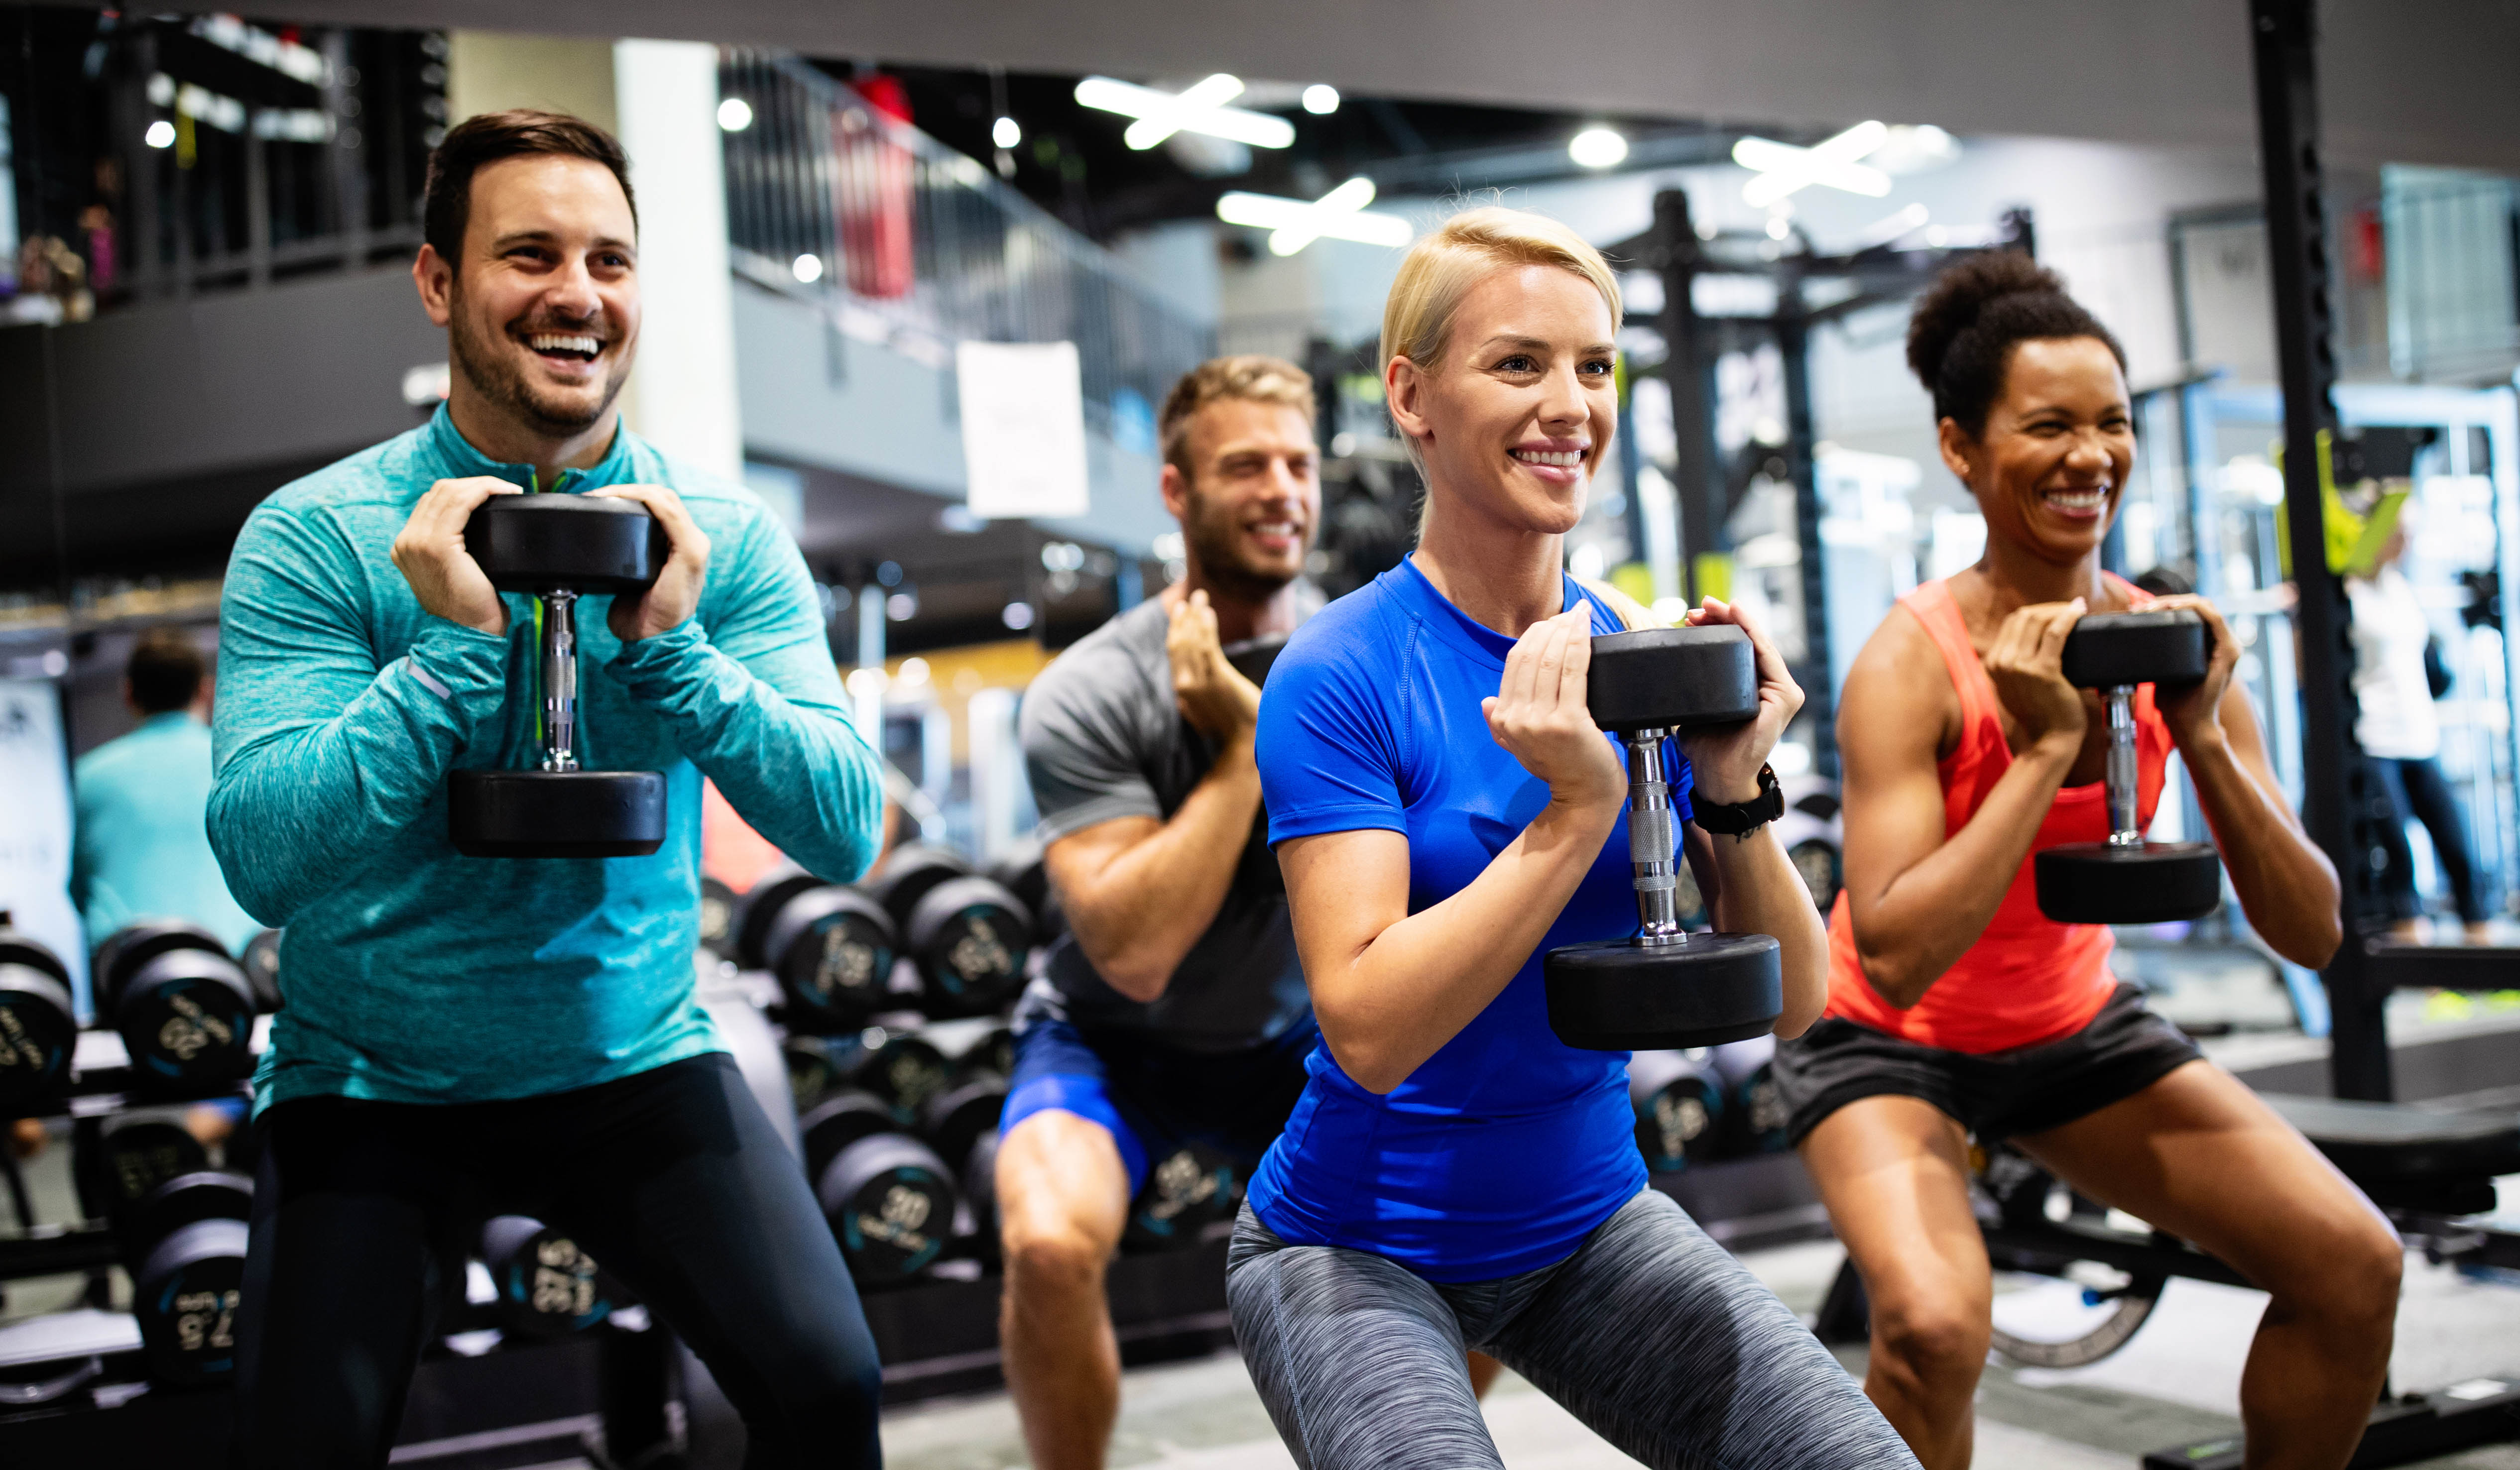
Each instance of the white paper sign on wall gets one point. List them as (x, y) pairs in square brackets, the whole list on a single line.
[(1024, 429)]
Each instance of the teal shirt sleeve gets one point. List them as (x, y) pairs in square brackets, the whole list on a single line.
[(320, 754), (756, 703)]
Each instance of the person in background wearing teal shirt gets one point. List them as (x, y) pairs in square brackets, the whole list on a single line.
[(468, 1036), (138, 849)]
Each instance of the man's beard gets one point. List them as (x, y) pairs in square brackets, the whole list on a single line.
[(500, 379), (1209, 535)]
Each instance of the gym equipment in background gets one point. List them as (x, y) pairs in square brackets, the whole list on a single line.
[(133, 1157), (546, 1284), (185, 1244), (955, 1119), (719, 905), (558, 547), (1666, 987), (889, 1200), (261, 961), (183, 1009), (832, 948), (1755, 1112), (980, 1177), (1186, 1191), (1681, 1106), (965, 934), (2126, 879), (1023, 873), (38, 1029)]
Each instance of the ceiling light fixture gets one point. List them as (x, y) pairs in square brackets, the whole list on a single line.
[(1597, 147), (1784, 169), (734, 114), (1339, 214), (1006, 132), (1321, 99), (1199, 109)]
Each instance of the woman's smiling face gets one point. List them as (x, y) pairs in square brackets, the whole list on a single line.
[(2052, 464), (1516, 415)]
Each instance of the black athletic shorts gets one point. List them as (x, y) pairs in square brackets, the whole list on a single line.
[(2124, 1049)]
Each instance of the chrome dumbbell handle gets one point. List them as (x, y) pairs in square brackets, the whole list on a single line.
[(2125, 828), (1649, 839), (559, 678)]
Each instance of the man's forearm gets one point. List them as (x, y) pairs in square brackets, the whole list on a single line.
[(1144, 909), (294, 816), (802, 775)]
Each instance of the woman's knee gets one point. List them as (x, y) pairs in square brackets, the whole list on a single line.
[(2351, 1283)]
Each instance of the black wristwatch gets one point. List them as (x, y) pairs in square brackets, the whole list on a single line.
[(1741, 817)]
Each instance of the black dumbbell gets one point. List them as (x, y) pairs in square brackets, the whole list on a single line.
[(980, 1177), (184, 1009), (261, 962), (1666, 987), (965, 934), (1680, 1108), (902, 1067), (1186, 1191), (185, 1246), (1023, 874), (546, 1284), (133, 1158), (1755, 1114), (2126, 879), (831, 947), (809, 1069), (953, 1119), (38, 1029), (974, 1048), (888, 1198), (560, 547)]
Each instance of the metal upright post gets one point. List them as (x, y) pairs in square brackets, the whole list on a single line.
[(1690, 376), (1793, 348), (2335, 787)]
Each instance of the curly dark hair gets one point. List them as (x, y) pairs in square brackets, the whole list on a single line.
[(1960, 340)]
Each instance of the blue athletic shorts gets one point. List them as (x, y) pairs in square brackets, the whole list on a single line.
[(1155, 1099)]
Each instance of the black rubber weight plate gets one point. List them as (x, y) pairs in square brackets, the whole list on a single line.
[(1616, 996), (1663, 678), (37, 1034), (2107, 649), (532, 542), (556, 813), (2153, 883)]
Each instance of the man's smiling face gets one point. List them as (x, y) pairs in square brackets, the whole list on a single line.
[(543, 309)]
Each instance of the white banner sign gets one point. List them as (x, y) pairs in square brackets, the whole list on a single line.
[(1024, 429), (36, 822)]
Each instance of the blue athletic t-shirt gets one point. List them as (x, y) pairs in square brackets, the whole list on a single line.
[(1505, 1148)]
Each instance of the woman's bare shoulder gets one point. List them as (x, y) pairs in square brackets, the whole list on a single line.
[(1898, 684)]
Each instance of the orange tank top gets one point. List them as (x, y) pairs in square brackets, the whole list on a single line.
[(2028, 979)]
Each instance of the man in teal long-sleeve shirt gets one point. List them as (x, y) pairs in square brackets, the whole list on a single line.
[(138, 848), (476, 1036)]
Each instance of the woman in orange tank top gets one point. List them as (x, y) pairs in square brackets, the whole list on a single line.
[(1956, 1007)]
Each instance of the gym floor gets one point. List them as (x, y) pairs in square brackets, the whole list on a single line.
[(2176, 1383)]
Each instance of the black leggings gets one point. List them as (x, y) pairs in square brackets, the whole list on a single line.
[(2419, 790), (673, 1178)]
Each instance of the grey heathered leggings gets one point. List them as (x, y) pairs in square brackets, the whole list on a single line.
[(1650, 1333)]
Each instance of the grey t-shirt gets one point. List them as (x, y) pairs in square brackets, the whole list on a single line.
[(1104, 740)]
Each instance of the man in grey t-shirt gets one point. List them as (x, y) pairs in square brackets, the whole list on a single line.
[(1175, 1011)]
